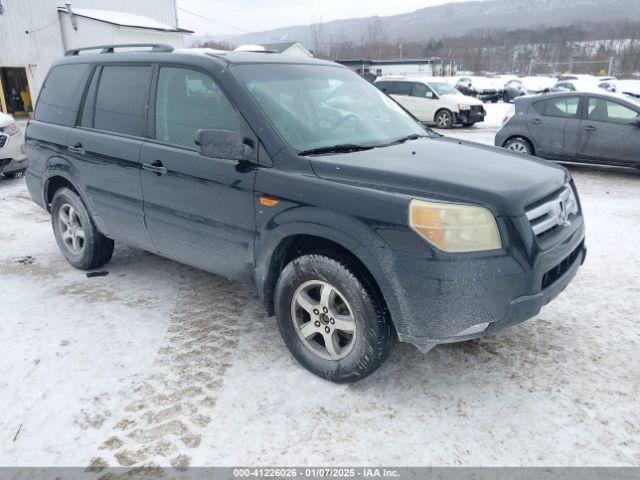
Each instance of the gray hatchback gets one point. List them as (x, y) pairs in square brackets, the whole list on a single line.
[(578, 126)]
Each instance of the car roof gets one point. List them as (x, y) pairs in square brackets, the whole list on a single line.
[(401, 78), (599, 93), (184, 55)]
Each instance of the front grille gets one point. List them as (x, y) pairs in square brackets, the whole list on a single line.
[(4, 161), (553, 212), (3, 140), (556, 272), (477, 108)]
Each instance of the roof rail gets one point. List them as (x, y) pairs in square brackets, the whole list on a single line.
[(155, 47)]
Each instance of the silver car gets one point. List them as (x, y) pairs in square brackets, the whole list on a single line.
[(578, 126), (13, 158)]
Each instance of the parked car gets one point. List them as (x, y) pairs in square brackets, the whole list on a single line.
[(575, 86), (526, 86), (623, 87), (485, 89), (356, 224), (13, 159), (433, 101), (581, 126)]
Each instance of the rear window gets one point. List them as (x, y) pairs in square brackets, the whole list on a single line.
[(121, 99), (60, 96)]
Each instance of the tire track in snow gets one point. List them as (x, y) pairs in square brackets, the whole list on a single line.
[(167, 410)]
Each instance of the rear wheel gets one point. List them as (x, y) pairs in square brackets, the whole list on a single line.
[(330, 321), (80, 242), (444, 119), (519, 145)]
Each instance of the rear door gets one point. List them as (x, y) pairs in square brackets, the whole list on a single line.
[(547, 121), (198, 210), (105, 149), (607, 134)]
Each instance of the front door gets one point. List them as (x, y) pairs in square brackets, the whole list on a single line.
[(198, 210), (548, 122), (607, 134)]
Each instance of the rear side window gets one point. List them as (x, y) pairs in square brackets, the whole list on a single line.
[(384, 86), (121, 99), (564, 107), (188, 101), (402, 88), (601, 110), (60, 97)]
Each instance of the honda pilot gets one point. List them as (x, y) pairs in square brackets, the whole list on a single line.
[(358, 225)]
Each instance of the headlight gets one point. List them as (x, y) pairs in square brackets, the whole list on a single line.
[(11, 129), (463, 106), (455, 228)]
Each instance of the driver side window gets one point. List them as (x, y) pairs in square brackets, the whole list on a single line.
[(420, 90), (188, 101)]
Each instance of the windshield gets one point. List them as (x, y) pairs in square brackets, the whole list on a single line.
[(319, 106), (443, 88)]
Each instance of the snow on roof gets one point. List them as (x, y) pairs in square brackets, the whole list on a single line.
[(123, 19)]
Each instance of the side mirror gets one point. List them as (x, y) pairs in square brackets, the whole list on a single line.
[(430, 95), (635, 122), (219, 143)]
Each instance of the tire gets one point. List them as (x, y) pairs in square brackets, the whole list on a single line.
[(16, 174), (304, 324), (494, 100), (444, 119), (468, 124), (519, 145), (506, 98), (80, 242)]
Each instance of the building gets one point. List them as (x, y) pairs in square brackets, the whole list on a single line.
[(288, 48), (35, 33), (430, 67)]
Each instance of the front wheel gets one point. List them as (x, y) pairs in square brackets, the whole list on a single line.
[(330, 320), (444, 119), (80, 242), (519, 145)]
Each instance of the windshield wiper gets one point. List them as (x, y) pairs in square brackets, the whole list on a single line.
[(413, 136), (344, 148)]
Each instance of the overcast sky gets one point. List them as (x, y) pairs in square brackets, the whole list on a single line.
[(258, 15)]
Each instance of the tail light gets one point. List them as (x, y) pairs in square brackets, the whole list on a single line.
[(506, 118)]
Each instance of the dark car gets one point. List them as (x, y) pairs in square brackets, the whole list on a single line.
[(485, 89), (357, 225), (519, 87), (578, 126)]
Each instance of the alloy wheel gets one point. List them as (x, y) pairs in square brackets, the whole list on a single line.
[(443, 120), (71, 229), (323, 320), (519, 147)]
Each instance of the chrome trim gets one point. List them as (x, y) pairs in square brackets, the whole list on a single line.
[(555, 212)]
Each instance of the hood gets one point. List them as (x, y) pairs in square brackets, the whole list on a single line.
[(448, 170), (5, 119), (460, 98)]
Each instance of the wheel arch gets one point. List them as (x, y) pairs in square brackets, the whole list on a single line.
[(54, 183), (324, 241), (524, 137)]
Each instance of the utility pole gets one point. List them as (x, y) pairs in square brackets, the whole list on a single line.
[(610, 71)]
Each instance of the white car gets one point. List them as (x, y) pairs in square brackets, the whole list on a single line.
[(630, 88), (432, 100), (13, 158)]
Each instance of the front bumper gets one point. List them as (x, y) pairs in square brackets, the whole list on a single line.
[(13, 156), (470, 116), (443, 298)]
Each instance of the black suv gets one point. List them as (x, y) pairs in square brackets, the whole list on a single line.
[(357, 224)]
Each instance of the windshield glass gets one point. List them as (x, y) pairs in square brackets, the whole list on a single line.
[(444, 89), (318, 106)]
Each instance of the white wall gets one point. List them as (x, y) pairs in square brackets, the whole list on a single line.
[(92, 32), (39, 48)]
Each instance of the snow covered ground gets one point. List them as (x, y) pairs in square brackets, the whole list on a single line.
[(158, 363)]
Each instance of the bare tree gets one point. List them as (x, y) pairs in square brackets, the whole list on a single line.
[(317, 36)]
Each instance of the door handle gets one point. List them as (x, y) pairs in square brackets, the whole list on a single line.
[(536, 121), (155, 167), (590, 128), (77, 149)]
